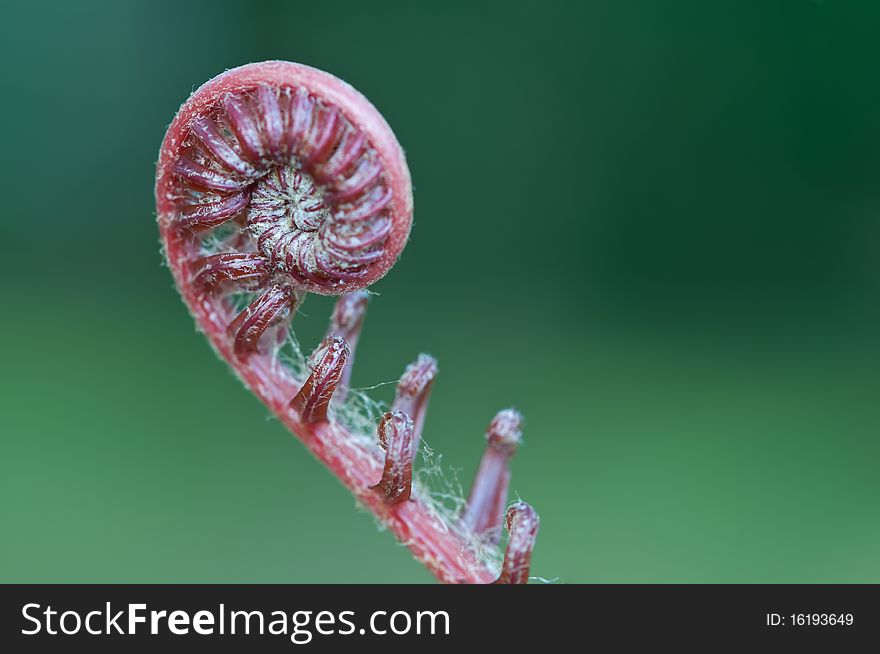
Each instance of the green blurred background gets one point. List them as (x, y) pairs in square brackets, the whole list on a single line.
[(651, 226)]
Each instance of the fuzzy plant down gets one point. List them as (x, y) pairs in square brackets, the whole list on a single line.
[(276, 180)]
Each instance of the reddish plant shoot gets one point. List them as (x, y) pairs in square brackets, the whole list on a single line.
[(413, 391), (345, 322), (396, 436), (488, 499), (275, 180), (522, 523), (327, 363)]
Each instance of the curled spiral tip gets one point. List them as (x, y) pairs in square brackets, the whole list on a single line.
[(302, 161), (505, 430), (396, 433), (327, 363), (522, 524), (417, 377)]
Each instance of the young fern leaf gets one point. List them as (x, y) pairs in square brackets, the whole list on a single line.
[(275, 180)]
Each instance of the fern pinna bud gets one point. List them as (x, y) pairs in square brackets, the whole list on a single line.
[(522, 524), (346, 322), (327, 363), (270, 307), (488, 497), (396, 434), (243, 270), (413, 392)]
